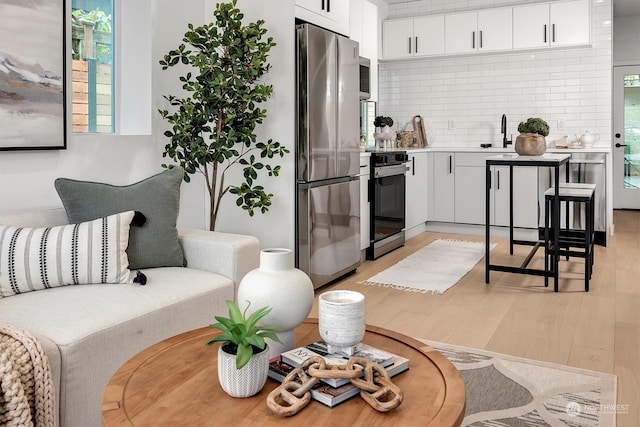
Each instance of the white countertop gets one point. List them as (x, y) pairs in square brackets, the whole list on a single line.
[(490, 151)]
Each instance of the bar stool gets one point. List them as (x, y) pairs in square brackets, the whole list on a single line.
[(569, 238)]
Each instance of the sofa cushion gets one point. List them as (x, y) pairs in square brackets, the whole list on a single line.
[(155, 244), (40, 258)]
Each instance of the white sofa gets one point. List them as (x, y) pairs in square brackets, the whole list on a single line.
[(89, 331)]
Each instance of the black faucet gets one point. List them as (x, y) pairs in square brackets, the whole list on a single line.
[(503, 129)]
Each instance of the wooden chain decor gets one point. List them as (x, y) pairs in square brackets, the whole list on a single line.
[(376, 387)]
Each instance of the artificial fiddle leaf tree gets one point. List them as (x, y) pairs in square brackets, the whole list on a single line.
[(213, 127)]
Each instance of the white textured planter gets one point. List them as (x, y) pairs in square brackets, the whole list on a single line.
[(341, 320), (287, 290), (246, 381)]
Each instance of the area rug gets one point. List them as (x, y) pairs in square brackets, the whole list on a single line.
[(433, 268), (504, 390)]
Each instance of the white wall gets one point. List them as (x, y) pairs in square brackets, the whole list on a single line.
[(276, 228), (626, 40), (26, 178), (573, 85)]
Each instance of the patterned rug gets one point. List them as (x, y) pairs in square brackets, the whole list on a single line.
[(433, 268), (504, 390)]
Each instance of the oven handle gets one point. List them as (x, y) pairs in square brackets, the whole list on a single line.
[(384, 171)]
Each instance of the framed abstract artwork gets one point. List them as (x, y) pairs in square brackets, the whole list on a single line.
[(32, 75)]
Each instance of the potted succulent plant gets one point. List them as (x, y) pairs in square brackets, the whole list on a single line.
[(243, 357), (531, 140), (384, 123)]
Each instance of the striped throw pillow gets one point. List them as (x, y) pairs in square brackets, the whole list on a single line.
[(89, 252)]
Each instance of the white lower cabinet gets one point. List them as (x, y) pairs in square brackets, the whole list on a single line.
[(459, 191), (417, 194), (441, 204)]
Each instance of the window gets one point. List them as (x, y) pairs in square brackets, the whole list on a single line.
[(93, 74)]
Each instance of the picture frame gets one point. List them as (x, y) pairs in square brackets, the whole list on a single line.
[(33, 63)]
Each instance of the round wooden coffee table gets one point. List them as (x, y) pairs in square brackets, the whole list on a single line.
[(175, 383)]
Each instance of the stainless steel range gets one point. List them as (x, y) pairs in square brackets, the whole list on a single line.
[(388, 202)]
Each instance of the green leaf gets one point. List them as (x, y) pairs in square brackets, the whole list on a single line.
[(244, 354)]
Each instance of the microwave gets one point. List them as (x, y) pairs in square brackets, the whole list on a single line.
[(365, 78)]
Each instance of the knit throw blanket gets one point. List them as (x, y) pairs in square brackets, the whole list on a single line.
[(27, 397)]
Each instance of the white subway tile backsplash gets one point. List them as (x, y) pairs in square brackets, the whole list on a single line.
[(573, 85)]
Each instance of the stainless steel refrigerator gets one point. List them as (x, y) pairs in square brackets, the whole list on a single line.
[(328, 154)]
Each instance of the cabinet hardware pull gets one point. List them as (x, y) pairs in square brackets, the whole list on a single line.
[(409, 44), (473, 40), (498, 181), (553, 33), (450, 164), (480, 39), (413, 165), (416, 44), (322, 4), (328, 5), (545, 33)]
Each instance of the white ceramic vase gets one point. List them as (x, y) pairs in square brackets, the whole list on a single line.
[(341, 321), (287, 290), (246, 381)]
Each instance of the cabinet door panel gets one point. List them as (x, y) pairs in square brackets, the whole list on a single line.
[(470, 195), (461, 33), (525, 196), (428, 35), (312, 5), (397, 38), (570, 23), (417, 194), (531, 26), (495, 29), (443, 185)]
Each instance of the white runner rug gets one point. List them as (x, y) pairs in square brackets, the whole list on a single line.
[(434, 268)]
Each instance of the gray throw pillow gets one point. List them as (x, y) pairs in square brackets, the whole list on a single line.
[(154, 244)]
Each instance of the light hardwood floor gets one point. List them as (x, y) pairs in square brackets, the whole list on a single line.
[(517, 315)]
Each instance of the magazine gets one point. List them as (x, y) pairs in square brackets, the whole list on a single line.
[(327, 394), (298, 355)]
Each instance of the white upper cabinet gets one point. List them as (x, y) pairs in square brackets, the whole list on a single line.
[(570, 23), (397, 38), (495, 29), (539, 25), (404, 38), (486, 30), (428, 34), (330, 14), (531, 26), (460, 33), (552, 24)]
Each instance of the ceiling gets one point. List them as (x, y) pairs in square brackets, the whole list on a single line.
[(620, 7)]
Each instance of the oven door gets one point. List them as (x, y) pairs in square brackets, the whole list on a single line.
[(388, 216)]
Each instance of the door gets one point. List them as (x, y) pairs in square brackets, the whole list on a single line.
[(429, 35), (443, 188), (530, 26), (348, 108), (329, 230), (570, 23), (460, 33), (495, 30), (626, 137), (416, 194), (397, 38), (317, 100)]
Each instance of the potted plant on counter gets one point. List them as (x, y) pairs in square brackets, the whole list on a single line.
[(531, 141), (243, 357), (384, 123)]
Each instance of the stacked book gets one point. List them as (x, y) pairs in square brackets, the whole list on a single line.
[(332, 391)]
